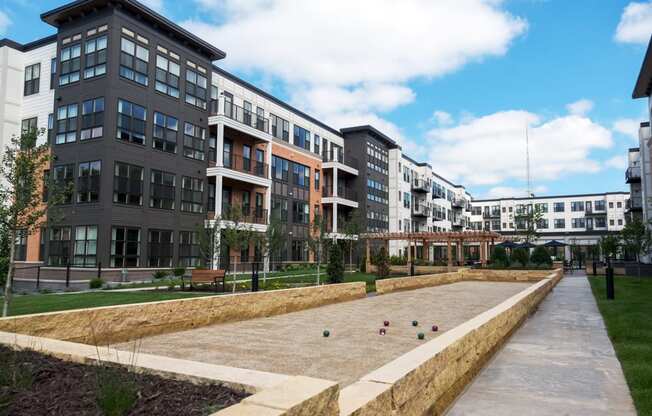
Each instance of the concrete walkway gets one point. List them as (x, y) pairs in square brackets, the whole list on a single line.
[(560, 362)]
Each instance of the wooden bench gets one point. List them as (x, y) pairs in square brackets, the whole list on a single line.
[(208, 276)]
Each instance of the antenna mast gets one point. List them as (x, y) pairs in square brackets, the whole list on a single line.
[(527, 161)]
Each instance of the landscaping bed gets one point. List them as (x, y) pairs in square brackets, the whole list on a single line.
[(35, 384)]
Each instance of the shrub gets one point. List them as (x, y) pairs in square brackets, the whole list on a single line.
[(116, 395), (335, 268), (499, 257), (96, 283), (179, 271), (382, 263), (521, 255), (397, 261), (159, 274), (541, 257)]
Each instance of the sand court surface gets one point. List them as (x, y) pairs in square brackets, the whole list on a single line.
[(293, 343)]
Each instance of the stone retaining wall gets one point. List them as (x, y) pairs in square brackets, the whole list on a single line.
[(426, 380), (113, 324)]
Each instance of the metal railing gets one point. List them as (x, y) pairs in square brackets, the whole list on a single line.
[(246, 117), (333, 156), (342, 192), (420, 185), (420, 210), (633, 174), (245, 165), (246, 214)]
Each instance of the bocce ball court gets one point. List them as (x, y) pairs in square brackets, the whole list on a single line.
[(294, 344)]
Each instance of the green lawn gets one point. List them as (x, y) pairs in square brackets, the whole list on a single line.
[(629, 324), (26, 304)]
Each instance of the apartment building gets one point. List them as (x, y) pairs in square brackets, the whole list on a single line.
[(634, 209)]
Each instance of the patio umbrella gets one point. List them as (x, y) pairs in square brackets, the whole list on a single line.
[(525, 245), (555, 243), (507, 244)]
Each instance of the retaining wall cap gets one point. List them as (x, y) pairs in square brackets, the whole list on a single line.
[(356, 395), (243, 409), (294, 391)]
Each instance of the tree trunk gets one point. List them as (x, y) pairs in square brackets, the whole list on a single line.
[(235, 273), (638, 264), (10, 273), (318, 262), (350, 257), (265, 268)]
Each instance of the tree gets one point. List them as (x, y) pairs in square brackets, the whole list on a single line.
[(236, 234), (21, 195), (335, 268), (352, 229), (610, 244), (521, 255), (382, 263), (316, 239), (209, 245), (272, 241), (540, 256), (499, 257), (636, 239), (530, 218)]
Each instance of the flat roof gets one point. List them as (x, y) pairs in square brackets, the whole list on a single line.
[(373, 132), (78, 8), (24, 47), (644, 81), (550, 197)]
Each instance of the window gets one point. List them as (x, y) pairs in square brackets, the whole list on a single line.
[(95, 57), (161, 248), (67, 124), (85, 246), (125, 247), (210, 206), (189, 250), (600, 222), (619, 204), (280, 168), (301, 137), (127, 184), (577, 206), (42, 242), (599, 205), (196, 89), (542, 223), (543, 208), (301, 175), (317, 144), (53, 72), (193, 141), (167, 76), (300, 212), (317, 180), (558, 207), (131, 122), (92, 119), (620, 222), (29, 125), (560, 223), (65, 178), (577, 222), (88, 184), (162, 190), (134, 61), (20, 245), (212, 149), (59, 246), (192, 195), (70, 64), (32, 79), (165, 133)]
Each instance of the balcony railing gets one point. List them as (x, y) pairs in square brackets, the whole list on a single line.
[(245, 165), (458, 203), (420, 185), (419, 210), (333, 156), (633, 174), (342, 192), (634, 205), (246, 117), (595, 210), (249, 215)]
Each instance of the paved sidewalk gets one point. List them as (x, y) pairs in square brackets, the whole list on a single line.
[(560, 362)]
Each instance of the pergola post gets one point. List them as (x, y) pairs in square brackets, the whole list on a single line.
[(449, 259), (483, 253), (368, 257), (461, 248)]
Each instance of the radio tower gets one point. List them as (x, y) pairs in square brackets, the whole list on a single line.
[(527, 161)]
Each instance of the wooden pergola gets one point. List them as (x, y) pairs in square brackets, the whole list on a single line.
[(483, 238)]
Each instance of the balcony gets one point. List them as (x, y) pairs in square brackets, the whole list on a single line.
[(247, 215), (595, 212), (246, 117), (419, 210), (335, 158), (458, 203), (633, 174), (420, 185), (245, 165), (634, 205), (345, 196)]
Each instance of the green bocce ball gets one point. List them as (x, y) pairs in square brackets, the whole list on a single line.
[(326, 333), (415, 323), (420, 335)]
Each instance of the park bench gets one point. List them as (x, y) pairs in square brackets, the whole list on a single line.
[(208, 276)]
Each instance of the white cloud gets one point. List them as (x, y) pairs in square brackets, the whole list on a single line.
[(580, 107), (627, 126), (442, 118), (490, 150), (511, 192), (156, 5), (635, 24), (617, 162), (5, 22)]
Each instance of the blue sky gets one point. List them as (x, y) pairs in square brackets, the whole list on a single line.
[(456, 83)]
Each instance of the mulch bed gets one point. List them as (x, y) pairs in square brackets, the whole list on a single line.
[(48, 386)]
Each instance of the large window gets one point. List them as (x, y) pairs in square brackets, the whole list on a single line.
[(32, 79), (599, 205), (317, 145), (131, 122), (85, 246), (20, 245), (134, 61), (92, 119), (64, 178), (161, 248), (70, 64), (167, 76), (165, 133), (59, 246), (29, 125), (196, 85), (280, 168), (280, 128), (280, 209), (193, 141), (192, 195), (88, 184), (128, 184), (162, 190), (67, 124), (301, 175), (300, 212), (542, 207), (301, 137), (560, 223), (189, 250), (95, 57), (578, 222), (577, 206), (53, 73), (125, 247), (559, 207)]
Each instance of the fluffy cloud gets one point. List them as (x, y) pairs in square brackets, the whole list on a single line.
[(617, 162), (490, 150), (510, 192), (442, 118), (635, 24), (5, 21), (580, 108), (627, 126)]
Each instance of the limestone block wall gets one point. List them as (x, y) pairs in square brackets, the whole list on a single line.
[(114, 324), (505, 275)]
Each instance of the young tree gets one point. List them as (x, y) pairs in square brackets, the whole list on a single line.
[(21, 195), (610, 244), (352, 229), (521, 255), (316, 240), (531, 219), (236, 234), (499, 257), (540, 256), (208, 245), (271, 242), (636, 239), (335, 268), (382, 263)]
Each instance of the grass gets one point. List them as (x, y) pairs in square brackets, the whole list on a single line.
[(26, 304), (629, 324)]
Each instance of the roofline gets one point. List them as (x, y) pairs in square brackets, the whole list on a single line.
[(270, 97), (25, 47), (551, 197), (419, 164), (214, 53), (643, 84), (634, 149), (644, 124), (367, 128)]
